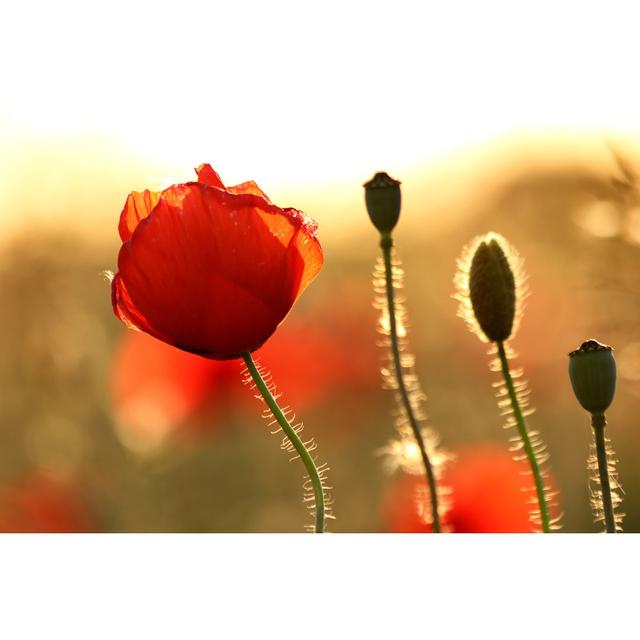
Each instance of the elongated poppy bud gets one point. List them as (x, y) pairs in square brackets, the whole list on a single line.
[(382, 196), (492, 289), (592, 371)]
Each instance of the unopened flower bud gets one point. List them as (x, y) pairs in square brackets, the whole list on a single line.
[(592, 371), (382, 196), (492, 289)]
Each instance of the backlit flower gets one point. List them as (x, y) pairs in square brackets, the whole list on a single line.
[(209, 269), (43, 505), (490, 493)]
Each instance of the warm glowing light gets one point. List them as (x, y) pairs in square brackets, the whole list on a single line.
[(600, 219), (291, 95), (629, 362)]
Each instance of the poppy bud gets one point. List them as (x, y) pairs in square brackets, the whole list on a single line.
[(382, 195), (492, 289), (592, 370)]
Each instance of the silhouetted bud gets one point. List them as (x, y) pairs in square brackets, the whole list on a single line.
[(592, 370), (492, 289), (382, 195)]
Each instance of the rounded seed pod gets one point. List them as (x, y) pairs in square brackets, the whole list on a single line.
[(382, 197), (592, 371), (492, 289)]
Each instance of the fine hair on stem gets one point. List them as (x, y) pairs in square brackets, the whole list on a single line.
[(604, 486), (317, 495), (415, 448)]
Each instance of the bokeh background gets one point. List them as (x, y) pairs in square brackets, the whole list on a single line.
[(106, 430)]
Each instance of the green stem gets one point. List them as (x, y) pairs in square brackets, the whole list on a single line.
[(386, 244), (526, 440), (599, 422), (298, 445)]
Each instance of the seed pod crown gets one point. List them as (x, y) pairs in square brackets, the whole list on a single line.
[(592, 371), (383, 200)]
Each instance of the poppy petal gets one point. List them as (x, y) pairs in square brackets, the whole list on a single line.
[(206, 175), (311, 256), (249, 187), (137, 207), (126, 311), (305, 255)]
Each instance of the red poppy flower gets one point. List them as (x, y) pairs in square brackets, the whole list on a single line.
[(490, 494), (210, 269), (42, 505)]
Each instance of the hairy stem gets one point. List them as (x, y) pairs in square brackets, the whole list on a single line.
[(306, 458), (599, 422), (386, 244), (526, 439)]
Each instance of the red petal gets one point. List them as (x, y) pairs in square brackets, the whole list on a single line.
[(126, 311), (311, 256), (206, 175), (250, 188), (217, 272), (304, 251), (137, 207)]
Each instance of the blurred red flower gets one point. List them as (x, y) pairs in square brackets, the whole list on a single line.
[(489, 495), (209, 269), (43, 505), (312, 362), (160, 392), (158, 389)]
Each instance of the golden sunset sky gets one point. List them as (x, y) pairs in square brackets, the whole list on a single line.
[(307, 99)]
